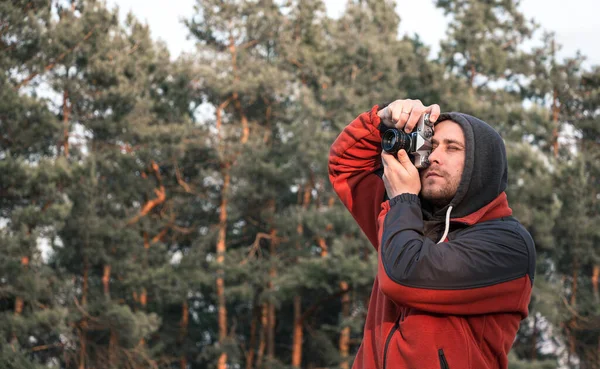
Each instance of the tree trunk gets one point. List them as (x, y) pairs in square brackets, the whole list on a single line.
[(144, 294), (222, 106), (595, 277), (271, 311), (271, 333), (298, 332), (19, 300), (245, 127), (250, 350), (264, 320), (183, 333), (344, 342), (323, 245), (222, 308), (82, 345), (106, 282), (297, 343), (112, 344), (236, 100)]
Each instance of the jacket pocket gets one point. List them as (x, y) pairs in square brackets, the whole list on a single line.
[(443, 362)]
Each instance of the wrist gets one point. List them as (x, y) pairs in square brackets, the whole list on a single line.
[(405, 198), (403, 192)]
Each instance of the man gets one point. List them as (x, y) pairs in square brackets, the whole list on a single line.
[(455, 269)]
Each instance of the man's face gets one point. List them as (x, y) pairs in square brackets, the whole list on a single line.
[(440, 180)]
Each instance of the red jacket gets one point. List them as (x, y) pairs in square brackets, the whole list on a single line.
[(456, 304)]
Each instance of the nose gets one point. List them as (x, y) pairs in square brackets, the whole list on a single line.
[(435, 156)]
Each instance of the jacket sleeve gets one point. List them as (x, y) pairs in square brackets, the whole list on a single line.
[(486, 268), (354, 159)]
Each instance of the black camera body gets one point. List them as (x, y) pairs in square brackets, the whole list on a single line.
[(417, 144)]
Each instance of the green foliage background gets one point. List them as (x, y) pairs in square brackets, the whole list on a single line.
[(123, 207)]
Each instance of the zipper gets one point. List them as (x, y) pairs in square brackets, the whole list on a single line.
[(443, 362), (387, 342)]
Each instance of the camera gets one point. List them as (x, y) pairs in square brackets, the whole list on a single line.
[(417, 144)]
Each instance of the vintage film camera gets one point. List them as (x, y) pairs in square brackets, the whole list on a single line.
[(417, 144)]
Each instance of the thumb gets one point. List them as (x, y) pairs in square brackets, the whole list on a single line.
[(388, 159), (406, 162), (403, 158)]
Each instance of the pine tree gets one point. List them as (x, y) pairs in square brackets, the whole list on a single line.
[(178, 214), (32, 205), (249, 95), (484, 40), (116, 142), (576, 233)]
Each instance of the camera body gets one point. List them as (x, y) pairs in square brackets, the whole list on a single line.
[(417, 144)]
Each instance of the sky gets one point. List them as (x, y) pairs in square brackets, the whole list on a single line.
[(575, 22)]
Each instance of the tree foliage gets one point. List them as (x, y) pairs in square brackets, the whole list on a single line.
[(162, 212)]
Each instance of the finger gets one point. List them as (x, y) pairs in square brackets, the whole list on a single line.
[(434, 112), (403, 158), (384, 115), (388, 159), (406, 163), (396, 112), (415, 115), (403, 112), (392, 165)]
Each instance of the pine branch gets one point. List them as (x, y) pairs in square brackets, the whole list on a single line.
[(59, 59), (255, 247), (180, 180), (46, 347), (160, 197), (248, 44), (574, 312)]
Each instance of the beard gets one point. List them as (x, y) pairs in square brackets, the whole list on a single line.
[(439, 193), (438, 197)]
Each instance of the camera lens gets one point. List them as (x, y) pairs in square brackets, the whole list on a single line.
[(394, 140)]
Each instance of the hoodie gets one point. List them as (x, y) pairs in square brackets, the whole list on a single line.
[(452, 284)]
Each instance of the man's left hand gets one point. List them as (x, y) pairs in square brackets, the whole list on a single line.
[(400, 175)]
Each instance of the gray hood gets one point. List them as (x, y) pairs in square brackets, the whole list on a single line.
[(485, 174)]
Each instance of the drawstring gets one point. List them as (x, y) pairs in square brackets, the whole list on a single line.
[(447, 225)]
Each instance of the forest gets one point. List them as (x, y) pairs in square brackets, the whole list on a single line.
[(176, 212)]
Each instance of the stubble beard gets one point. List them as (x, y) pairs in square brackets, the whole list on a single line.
[(439, 195)]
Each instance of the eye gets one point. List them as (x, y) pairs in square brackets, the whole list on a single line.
[(453, 148)]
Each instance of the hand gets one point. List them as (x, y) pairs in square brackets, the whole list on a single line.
[(400, 175), (406, 113)]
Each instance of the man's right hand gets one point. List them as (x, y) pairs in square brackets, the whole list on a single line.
[(404, 114)]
